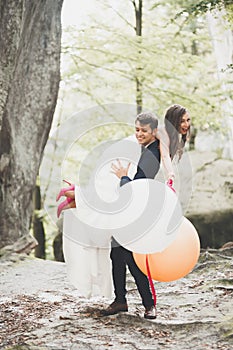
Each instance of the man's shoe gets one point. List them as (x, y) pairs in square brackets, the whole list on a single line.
[(150, 313), (114, 308)]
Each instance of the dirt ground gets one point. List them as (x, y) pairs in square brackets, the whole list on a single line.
[(41, 310)]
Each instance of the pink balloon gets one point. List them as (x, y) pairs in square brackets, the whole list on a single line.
[(177, 260)]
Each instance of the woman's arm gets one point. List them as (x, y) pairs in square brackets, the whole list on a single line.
[(163, 137)]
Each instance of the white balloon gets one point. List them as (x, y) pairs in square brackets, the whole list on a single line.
[(129, 206), (106, 183), (101, 204), (158, 225)]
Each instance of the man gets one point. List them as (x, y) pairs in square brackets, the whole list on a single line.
[(148, 166)]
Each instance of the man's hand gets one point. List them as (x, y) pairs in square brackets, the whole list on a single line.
[(119, 170)]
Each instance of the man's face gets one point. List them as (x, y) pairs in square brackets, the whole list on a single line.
[(144, 133)]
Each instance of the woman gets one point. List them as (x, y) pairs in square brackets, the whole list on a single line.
[(172, 136)]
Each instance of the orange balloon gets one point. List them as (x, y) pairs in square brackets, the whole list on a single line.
[(177, 260)]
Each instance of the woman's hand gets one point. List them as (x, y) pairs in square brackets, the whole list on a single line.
[(170, 183), (119, 170)]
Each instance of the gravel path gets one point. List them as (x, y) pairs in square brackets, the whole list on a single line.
[(39, 309)]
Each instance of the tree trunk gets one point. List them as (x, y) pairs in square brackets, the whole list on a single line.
[(138, 79), (38, 228), (29, 80)]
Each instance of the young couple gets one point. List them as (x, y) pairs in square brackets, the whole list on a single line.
[(164, 142)]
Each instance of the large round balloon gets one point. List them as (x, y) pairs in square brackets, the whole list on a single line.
[(177, 260), (160, 217)]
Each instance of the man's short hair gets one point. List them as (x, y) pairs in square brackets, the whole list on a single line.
[(147, 118)]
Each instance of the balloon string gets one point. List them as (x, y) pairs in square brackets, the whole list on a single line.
[(150, 280)]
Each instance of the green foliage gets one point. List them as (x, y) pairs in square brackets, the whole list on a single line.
[(195, 9), (229, 10), (199, 8), (173, 60)]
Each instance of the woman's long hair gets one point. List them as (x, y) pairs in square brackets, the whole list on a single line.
[(172, 121)]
